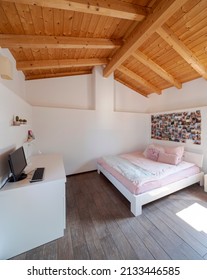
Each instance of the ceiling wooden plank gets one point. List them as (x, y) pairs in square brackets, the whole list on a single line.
[(48, 16), (56, 75), (161, 13), (63, 63), (167, 34), (138, 79), (56, 42), (37, 19), (14, 19), (156, 68), (26, 19), (108, 8), (5, 25), (58, 22)]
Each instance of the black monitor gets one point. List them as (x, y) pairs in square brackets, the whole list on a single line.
[(17, 163)]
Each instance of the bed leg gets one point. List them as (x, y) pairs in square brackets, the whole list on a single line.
[(136, 208), (99, 172)]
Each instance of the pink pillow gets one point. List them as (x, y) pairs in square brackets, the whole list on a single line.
[(160, 148), (178, 151), (168, 158), (151, 152)]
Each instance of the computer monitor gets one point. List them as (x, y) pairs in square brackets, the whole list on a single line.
[(17, 163)]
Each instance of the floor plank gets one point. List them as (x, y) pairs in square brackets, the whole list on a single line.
[(180, 227), (99, 225)]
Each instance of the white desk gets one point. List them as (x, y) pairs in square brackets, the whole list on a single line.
[(32, 214)]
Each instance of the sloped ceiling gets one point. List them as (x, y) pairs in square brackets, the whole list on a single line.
[(150, 45)]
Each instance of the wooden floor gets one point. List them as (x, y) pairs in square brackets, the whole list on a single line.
[(101, 226)]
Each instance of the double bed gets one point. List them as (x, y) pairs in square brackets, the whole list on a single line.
[(142, 180)]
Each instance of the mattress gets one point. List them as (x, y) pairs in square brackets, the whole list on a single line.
[(172, 174)]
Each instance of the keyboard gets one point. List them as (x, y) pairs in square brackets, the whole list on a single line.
[(38, 175)]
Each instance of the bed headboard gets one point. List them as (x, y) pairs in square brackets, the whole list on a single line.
[(194, 158)]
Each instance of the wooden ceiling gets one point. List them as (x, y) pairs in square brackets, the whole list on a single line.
[(150, 45)]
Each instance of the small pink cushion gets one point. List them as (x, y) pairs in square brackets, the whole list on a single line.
[(168, 158), (152, 152)]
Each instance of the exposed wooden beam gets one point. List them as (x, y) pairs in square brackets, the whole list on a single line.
[(156, 68), (161, 13), (167, 34), (63, 63), (56, 75), (55, 42), (108, 8), (138, 79)]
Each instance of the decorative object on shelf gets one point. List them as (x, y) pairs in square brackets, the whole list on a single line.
[(30, 136), (17, 121), (23, 121), (5, 68)]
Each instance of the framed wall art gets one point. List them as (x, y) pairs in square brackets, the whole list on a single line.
[(177, 127)]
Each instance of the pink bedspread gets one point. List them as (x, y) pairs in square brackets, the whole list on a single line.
[(135, 187)]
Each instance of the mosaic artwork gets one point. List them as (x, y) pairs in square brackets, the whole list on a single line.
[(178, 127)]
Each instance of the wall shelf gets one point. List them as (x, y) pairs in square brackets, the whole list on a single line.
[(18, 124)]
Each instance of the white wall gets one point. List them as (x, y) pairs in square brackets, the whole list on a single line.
[(191, 97), (12, 103), (192, 94), (82, 136), (67, 92), (127, 100)]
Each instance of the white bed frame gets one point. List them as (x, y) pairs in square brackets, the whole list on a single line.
[(137, 201)]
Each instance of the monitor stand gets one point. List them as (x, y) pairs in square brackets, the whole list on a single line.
[(21, 177)]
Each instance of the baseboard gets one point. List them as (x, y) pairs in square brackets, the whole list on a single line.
[(84, 172)]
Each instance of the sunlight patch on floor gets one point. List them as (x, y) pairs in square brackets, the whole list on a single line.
[(196, 216)]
